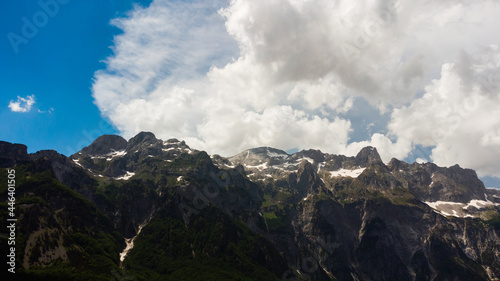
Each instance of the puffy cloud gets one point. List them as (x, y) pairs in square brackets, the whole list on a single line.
[(381, 50), (162, 45), (226, 76), (458, 114), (421, 160), (277, 126), (22, 104), (48, 111)]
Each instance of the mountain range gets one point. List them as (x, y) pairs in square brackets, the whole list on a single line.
[(149, 209)]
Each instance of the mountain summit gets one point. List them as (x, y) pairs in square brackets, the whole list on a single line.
[(367, 156), (105, 144)]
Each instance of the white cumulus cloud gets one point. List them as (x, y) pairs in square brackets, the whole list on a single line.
[(22, 104), (458, 114)]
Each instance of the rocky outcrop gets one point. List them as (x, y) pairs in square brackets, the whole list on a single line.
[(105, 144), (428, 182), (368, 156), (258, 156), (308, 181), (11, 153), (141, 140)]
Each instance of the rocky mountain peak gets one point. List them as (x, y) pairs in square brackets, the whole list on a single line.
[(141, 138), (305, 167), (316, 155), (396, 165), (368, 156), (11, 153), (105, 144), (48, 154), (258, 156), (174, 141), (114, 157), (308, 181)]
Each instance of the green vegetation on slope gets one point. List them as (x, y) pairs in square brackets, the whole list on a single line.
[(213, 246), (59, 234)]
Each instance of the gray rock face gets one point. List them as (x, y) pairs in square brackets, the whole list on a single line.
[(493, 195), (105, 144), (315, 155), (258, 156), (11, 153), (432, 183), (367, 156), (141, 139), (308, 181)]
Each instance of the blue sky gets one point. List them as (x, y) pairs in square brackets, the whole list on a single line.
[(56, 66), (230, 75)]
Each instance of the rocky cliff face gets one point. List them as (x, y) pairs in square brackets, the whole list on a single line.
[(105, 144), (432, 183), (10, 153), (266, 214)]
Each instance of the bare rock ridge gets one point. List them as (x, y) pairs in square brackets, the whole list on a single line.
[(105, 144), (367, 156), (12, 153), (257, 156), (141, 139), (113, 156), (427, 182)]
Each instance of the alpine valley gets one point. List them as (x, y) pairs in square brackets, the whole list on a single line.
[(148, 209)]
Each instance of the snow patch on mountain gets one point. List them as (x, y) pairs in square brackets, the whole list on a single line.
[(130, 242), (480, 204), (347, 173), (258, 167), (127, 176), (276, 155), (77, 162), (435, 205), (304, 158), (118, 153), (458, 209)]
